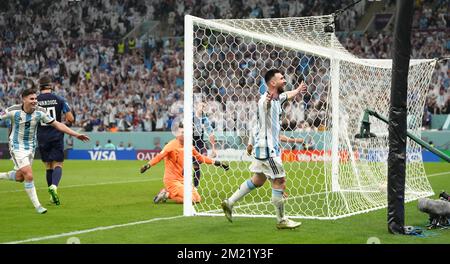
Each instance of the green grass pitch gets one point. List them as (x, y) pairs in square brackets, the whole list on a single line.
[(111, 202)]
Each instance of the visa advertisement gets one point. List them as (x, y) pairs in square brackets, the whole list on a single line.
[(111, 154), (372, 155)]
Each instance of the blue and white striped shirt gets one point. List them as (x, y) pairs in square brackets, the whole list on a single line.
[(24, 126), (202, 125), (268, 127)]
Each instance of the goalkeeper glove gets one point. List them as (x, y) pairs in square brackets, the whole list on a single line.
[(145, 167), (223, 165)]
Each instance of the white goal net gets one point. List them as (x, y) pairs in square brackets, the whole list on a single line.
[(332, 174)]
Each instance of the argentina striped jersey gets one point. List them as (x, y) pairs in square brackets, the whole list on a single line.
[(268, 126), (201, 124), (24, 126)]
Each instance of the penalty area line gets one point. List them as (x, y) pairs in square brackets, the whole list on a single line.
[(101, 228), (438, 174), (89, 184)]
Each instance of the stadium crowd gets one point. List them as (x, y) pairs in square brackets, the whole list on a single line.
[(430, 39), (114, 83)]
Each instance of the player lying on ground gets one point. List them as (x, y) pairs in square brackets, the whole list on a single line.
[(173, 170), (22, 140)]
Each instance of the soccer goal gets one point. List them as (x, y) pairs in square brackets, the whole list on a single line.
[(333, 174)]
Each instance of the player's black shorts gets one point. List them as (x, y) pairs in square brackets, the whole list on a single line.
[(199, 145), (52, 150)]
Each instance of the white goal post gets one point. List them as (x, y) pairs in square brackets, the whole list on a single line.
[(333, 174)]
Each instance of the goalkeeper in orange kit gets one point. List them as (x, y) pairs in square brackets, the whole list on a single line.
[(173, 171)]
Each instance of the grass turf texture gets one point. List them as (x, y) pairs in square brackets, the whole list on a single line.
[(105, 193)]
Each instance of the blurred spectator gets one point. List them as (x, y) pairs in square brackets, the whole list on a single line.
[(109, 145), (97, 146), (157, 143), (309, 143), (121, 146), (113, 128), (115, 82), (130, 146), (426, 120), (68, 143)]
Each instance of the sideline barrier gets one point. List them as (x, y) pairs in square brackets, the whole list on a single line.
[(111, 154)]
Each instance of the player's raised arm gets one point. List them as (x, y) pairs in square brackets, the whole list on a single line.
[(63, 128), (301, 89), (212, 138)]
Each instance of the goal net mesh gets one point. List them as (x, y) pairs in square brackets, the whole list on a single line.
[(332, 174)]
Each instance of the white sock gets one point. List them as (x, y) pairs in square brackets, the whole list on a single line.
[(243, 190), (31, 191), (10, 175), (4, 176), (278, 203)]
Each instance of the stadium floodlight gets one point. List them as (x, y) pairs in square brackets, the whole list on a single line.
[(225, 60)]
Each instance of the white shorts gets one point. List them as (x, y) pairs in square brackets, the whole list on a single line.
[(22, 158), (272, 167)]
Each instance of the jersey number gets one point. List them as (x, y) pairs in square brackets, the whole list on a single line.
[(51, 111)]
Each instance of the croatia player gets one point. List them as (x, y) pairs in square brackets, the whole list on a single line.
[(202, 126), (50, 140), (22, 140)]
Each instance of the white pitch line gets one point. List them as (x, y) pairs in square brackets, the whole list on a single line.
[(101, 228), (89, 184), (438, 174)]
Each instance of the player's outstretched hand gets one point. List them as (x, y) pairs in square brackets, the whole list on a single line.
[(249, 149), (225, 166), (145, 167), (302, 87), (83, 138)]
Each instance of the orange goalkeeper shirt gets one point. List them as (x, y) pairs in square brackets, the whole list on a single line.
[(174, 159)]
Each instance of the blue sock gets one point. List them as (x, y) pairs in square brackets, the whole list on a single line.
[(48, 174), (245, 188), (56, 176), (12, 175)]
